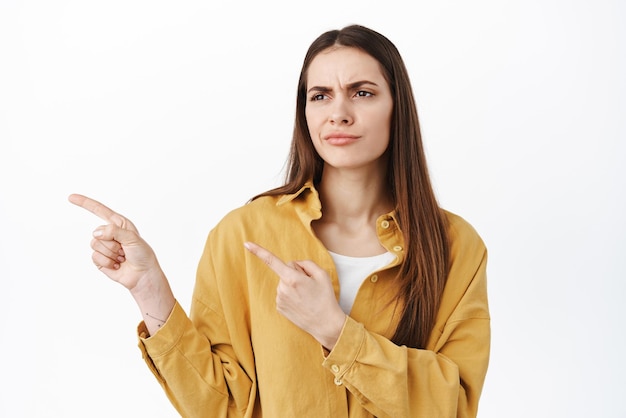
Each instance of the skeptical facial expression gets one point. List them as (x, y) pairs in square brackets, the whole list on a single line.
[(349, 108)]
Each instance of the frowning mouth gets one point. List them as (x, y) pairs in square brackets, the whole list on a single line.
[(340, 138)]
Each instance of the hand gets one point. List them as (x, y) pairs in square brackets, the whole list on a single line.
[(305, 296), (119, 251), (121, 254)]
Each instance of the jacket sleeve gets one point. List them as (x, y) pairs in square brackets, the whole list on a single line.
[(444, 380), (194, 360)]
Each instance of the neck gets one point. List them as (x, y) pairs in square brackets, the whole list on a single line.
[(353, 197)]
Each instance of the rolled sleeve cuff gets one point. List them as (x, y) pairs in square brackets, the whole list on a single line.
[(343, 356), (164, 340)]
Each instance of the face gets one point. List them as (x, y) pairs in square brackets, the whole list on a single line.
[(349, 108)]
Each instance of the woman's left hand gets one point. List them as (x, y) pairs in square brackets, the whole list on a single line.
[(305, 296)]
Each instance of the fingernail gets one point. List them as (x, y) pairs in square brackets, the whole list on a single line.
[(247, 245), (97, 233)]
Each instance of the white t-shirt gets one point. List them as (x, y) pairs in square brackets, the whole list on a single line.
[(352, 271)]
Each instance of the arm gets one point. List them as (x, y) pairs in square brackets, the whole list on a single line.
[(443, 380), (123, 256), (193, 360), (202, 363)]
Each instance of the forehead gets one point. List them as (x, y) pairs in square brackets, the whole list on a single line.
[(343, 65)]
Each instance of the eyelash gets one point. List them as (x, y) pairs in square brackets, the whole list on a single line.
[(360, 93)]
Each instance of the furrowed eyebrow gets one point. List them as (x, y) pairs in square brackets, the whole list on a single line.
[(362, 83), (351, 86), (319, 89)]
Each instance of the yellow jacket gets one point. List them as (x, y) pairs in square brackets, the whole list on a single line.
[(235, 356)]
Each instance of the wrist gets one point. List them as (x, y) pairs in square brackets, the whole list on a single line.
[(330, 335), (152, 285), (155, 299)]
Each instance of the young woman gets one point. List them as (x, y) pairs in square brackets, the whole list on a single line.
[(347, 292)]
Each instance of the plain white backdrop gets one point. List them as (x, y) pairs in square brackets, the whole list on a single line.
[(174, 113)]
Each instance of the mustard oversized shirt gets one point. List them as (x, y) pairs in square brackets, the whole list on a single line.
[(236, 356)]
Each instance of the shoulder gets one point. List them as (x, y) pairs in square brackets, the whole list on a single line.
[(262, 206), (467, 248), (248, 222), (257, 212), (461, 232), (271, 221)]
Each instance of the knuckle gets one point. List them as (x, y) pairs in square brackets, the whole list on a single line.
[(288, 282), (118, 219)]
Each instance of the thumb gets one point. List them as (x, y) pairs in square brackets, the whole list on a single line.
[(113, 232), (311, 269)]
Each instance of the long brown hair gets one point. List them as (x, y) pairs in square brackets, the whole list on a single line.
[(425, 268)]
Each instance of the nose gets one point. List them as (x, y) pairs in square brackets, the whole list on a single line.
[(340, 112)]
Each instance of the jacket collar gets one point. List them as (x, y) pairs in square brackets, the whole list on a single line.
[(305, 201), (308, 186), (308, 206)]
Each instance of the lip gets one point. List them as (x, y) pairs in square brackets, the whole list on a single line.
[(340, 138)]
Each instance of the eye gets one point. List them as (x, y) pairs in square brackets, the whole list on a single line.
[(317, 97), (363, 93)]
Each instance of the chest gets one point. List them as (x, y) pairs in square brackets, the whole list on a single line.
[(350, 240)]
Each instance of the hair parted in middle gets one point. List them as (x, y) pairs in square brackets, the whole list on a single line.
[(425, 268)]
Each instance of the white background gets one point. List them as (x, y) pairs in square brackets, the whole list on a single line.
[(174, 113)]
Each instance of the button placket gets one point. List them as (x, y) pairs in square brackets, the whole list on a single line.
[(336, 369), (387, 230)]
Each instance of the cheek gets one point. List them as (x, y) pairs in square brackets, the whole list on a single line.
[(386, 123), (381, 121), (312, 123)]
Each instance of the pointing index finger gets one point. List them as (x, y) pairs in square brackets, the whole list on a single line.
[(273, 262), (100, 210)]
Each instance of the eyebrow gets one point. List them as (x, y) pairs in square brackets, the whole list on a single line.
[(350, 86)]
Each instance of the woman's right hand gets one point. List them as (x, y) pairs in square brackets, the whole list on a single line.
[(121, 254), (118, 250)]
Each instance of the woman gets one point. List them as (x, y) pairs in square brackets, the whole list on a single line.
[(387, 315)]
